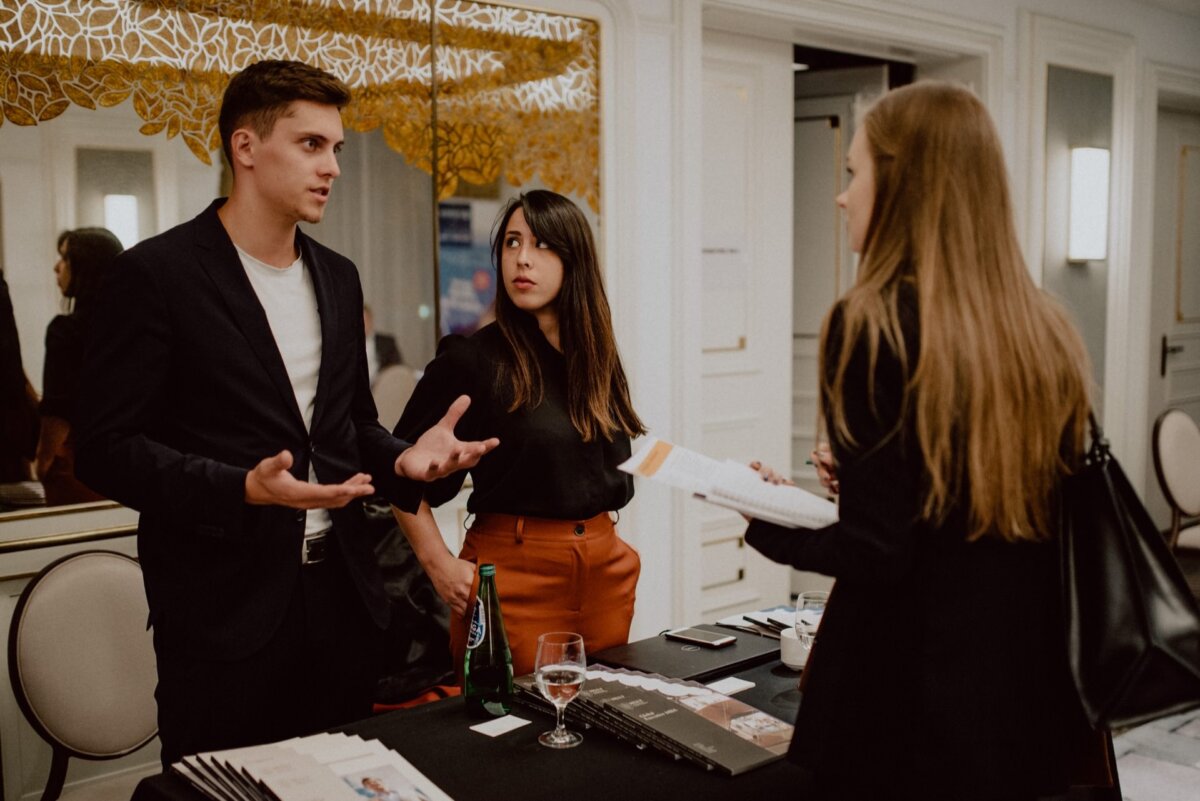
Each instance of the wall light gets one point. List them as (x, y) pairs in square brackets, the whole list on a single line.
[(121, 217), (1089, 205)]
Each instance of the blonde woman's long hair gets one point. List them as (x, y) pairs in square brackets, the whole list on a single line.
[(999, 389)]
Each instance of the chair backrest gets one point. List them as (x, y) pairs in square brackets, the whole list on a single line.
[(81, 660), (392, 388), (1176, 446)]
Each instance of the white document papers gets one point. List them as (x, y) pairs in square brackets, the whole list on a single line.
[(323, 767), (730, 484)]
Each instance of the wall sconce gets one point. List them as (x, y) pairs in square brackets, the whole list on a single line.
[(1088, 239)]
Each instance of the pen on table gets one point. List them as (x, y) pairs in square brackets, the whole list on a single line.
[(767, 624)]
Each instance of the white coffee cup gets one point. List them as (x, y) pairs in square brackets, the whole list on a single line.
[(792, 652)]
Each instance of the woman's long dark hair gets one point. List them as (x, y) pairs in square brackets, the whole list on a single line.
[(89, 253), (597, 392)]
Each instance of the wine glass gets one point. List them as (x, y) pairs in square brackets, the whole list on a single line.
[(810, 606), (559, 672)]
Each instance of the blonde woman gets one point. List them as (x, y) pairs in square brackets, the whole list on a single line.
[(955, 394)]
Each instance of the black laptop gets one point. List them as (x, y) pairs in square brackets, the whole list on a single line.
[(681, 660)]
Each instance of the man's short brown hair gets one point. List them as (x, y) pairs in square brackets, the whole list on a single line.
[(259, 95)]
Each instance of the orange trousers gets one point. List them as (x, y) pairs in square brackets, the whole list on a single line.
[(552, 575)]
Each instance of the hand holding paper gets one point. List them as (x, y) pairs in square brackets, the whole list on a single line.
[(730, 484)]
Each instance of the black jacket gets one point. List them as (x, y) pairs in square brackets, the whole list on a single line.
[(183, 391), (940, 668)]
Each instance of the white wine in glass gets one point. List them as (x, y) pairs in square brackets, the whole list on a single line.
[(559, 672)]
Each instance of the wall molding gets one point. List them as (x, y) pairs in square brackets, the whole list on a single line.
[(1044, 41)]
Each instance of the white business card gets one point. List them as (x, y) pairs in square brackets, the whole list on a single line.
[(730, 685), (494, 728)]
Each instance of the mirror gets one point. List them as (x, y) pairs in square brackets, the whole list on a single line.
[(110, 120), (1079, 119)]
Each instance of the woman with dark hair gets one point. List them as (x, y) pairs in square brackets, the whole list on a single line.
[(955, 394), (546, 379), (85, 256)]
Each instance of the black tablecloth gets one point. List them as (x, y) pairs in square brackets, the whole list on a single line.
[(473, 767)]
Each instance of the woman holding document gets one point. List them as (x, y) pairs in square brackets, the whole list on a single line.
[(546, 379), (955, 394)]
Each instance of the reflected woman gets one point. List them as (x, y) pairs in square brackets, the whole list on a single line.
[(18, 401), (85, 256), (546, 379), (955, 394)]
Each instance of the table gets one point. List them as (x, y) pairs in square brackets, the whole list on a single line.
[(472, 767)]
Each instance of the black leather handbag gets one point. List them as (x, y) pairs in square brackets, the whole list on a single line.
[(1133, 626)]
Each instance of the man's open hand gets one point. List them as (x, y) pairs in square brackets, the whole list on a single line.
[(439, 453), (270, 483)]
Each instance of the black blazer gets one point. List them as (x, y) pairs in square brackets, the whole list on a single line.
[(940, 669), (184, 391)]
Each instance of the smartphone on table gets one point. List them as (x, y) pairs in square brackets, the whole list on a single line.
[(706, 639)]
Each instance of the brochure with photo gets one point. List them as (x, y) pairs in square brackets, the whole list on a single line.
[(681, 718), (323, 767)]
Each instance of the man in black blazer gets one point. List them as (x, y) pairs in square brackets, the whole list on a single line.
[(226, 399)]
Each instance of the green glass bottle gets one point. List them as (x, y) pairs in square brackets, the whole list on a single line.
[(487, 666)]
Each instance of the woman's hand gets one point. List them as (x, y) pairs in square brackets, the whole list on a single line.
[(452, 579), (52, 436), (822, 459), (768, 474)]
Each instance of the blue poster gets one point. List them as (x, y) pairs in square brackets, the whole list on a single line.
[(466, 279)]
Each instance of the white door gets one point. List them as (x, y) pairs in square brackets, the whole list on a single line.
[(1175, 309), (747, 297)]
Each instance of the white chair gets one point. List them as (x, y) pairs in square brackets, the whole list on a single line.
[(81, 661), (392, 388), (1176, 447)]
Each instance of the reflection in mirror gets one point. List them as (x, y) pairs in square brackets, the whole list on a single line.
[(527, 116), (125, 135), (380, 216), (1079, 113), (114, 189)]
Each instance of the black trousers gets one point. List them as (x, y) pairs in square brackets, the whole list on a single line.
[(319, 670)]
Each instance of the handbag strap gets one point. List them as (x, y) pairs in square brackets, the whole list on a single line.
[(1098, 451)]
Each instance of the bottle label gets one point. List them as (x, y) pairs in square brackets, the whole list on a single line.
[(478, 627)]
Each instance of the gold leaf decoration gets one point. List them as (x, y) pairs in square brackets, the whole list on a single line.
[(516, 90)]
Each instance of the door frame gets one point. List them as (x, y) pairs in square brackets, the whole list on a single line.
[(818, 23)]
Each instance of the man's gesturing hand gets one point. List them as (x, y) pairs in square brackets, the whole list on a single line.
[(438, 452), (270, 483)]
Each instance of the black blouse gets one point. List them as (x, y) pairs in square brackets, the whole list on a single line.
[(542, 467), (60, 373)]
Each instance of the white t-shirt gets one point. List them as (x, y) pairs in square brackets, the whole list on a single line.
[(288, 297)]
